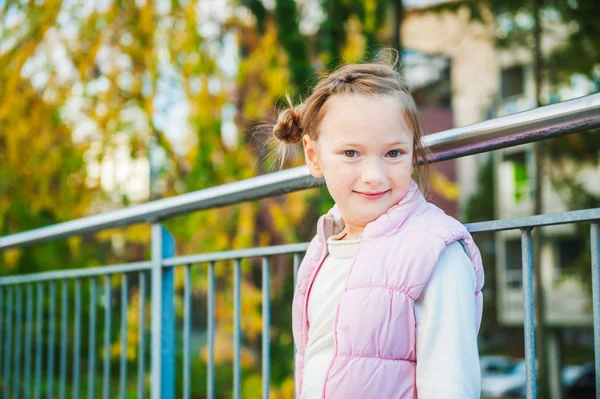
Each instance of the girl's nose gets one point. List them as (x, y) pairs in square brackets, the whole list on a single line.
[(374, 173)]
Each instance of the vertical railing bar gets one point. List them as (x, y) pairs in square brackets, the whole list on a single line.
[(237, 330), (63, 339), (77, 342), (266, 326), (156, 367), (38, 345), (187, 313), (527, 260), (163, 317), (92, 340), (167, 315), (8, 339), (29, 316), (141, 333), (18, 322), (51, 328), (1, 341), (210, 375), (124, 306), (297, 261), (595, 253), (107, 327)]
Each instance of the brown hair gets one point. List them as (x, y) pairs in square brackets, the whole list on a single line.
[(356, 79)]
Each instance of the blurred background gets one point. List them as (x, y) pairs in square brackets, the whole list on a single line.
[(110, 103)]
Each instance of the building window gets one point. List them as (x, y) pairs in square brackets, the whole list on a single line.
[(569, 249), (514, 268), (569, 264), (512, 83), (521, 174)]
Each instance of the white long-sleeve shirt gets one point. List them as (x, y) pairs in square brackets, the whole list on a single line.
[(447, 354)]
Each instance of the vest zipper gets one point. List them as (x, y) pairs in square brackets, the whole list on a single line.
[(335, 319)]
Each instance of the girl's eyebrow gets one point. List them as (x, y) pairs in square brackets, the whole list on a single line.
[(342, 143), (397, 142)]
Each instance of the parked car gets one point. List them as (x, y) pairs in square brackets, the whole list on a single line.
[(584, 386), (509, 383), (494, 364), (570, 373)]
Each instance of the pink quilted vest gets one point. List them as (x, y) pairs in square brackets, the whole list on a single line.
[(374, 326)]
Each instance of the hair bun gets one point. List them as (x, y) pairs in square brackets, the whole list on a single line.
[(288, 127)]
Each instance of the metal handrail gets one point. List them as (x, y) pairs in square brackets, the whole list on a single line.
[(541, 123), (580, 216)]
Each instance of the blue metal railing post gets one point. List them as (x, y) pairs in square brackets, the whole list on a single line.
[(163, 315)]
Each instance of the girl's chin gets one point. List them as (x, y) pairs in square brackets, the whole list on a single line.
[(362, 214), (367, 218)]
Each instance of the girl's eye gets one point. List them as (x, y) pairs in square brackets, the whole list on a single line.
[(350, 153), (394, 153)]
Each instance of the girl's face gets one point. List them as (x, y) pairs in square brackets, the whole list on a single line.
[(364, 151)]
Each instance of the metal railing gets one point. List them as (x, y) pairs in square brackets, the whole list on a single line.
[(559, 119)]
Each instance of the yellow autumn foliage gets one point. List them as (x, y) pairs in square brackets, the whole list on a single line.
[(81, 84)]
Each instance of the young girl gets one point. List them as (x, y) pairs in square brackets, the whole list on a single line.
[(388, 297)]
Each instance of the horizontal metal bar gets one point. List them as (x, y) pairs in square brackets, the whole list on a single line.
[(541, 123), (268, 185), (586, 215), (236, 254), (75, 273)]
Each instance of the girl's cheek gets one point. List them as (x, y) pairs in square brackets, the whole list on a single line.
[(346, 172)]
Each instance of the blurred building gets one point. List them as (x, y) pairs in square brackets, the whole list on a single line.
[(428, 76), (488, 82)]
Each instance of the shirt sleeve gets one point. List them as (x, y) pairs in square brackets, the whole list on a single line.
[(447, 353)]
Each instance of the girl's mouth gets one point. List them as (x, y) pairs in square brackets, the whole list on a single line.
[(372, 195)]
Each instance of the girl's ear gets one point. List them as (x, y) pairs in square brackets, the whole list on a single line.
[(310, 155)]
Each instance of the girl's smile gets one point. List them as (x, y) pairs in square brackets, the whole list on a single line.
[(372, 195)]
